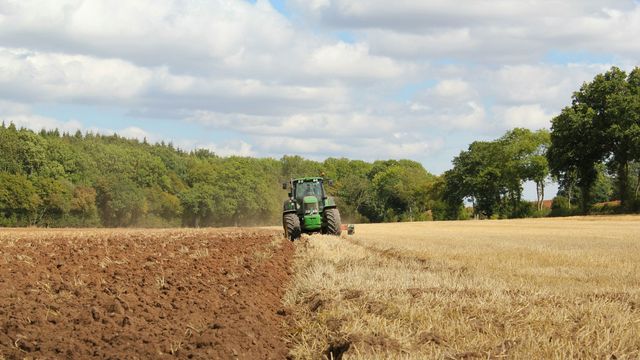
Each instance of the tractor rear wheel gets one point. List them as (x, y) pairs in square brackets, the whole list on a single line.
[(291, 224), (332, 218)]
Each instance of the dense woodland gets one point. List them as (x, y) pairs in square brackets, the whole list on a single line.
[(84, 179)]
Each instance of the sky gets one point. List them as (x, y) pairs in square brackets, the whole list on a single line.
[(363, 79)]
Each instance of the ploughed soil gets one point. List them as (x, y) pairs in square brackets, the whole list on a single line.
[(127, 294)]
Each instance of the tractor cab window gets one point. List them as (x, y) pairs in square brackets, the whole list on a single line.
[(309, 189)]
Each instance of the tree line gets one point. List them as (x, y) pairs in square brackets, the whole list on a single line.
[(84, 179)]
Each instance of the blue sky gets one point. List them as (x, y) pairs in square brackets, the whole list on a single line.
[(360, 79)]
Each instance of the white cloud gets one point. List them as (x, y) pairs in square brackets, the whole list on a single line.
[(549, 84), (22, 117), (300, 145), (310, 125), (404, 148), (37, 123), (414, 45), (450, 104), (473, 118), (352, 61), (230, 148), (134, 132), (454, 88), (145, 30), (368, 149), (532, 117), (38, 76), (35, 76), (504, 30)]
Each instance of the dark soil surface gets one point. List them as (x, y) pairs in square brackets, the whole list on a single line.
[(143, 294)]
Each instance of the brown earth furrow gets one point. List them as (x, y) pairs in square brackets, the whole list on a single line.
[(117, 294)]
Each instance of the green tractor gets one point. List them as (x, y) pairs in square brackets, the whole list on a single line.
[(309, 209)]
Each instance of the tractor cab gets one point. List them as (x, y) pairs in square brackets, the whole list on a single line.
[(306, 189)]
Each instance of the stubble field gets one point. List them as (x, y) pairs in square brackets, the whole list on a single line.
[(521, 289)]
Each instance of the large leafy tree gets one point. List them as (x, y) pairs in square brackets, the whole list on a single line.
[(576, 148), (601, 125), (56, 197), (19, 200), (525, 161)]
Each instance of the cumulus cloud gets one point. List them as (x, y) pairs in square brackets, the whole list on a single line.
[(37, 123), (549, 84), (453, 89), (505, 30), (311, 125), (445, 41), (230, 148), (134, 132), (149, 32), (352, 61), (42, 76), (35, 76), (533, 116), (361, 148), (451, 104), (22, 117), (362, 79)]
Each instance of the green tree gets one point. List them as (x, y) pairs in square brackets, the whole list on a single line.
[(576, 148), (162, 204), (56, 197), (31, 152), (83, 206), (120, 202), (198, 204), (18, 200), (9, 148), (491, 175), (609, 107), (526, 161), (296, 166)]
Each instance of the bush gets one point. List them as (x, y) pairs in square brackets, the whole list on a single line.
[(9, 221), (525, 209), (466, 214), (562, 207), (541, 213), (607, 208)]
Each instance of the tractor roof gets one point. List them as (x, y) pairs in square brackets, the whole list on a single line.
[(305, 179)]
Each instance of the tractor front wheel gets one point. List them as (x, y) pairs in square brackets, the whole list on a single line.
[(332, 218), (291, 224)]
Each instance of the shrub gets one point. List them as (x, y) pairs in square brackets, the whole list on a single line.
[(607, 208), (541, 213), (525, 209), (562, 207)]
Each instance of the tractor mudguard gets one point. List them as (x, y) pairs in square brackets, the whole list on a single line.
[(289, 206), (329, 203)]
